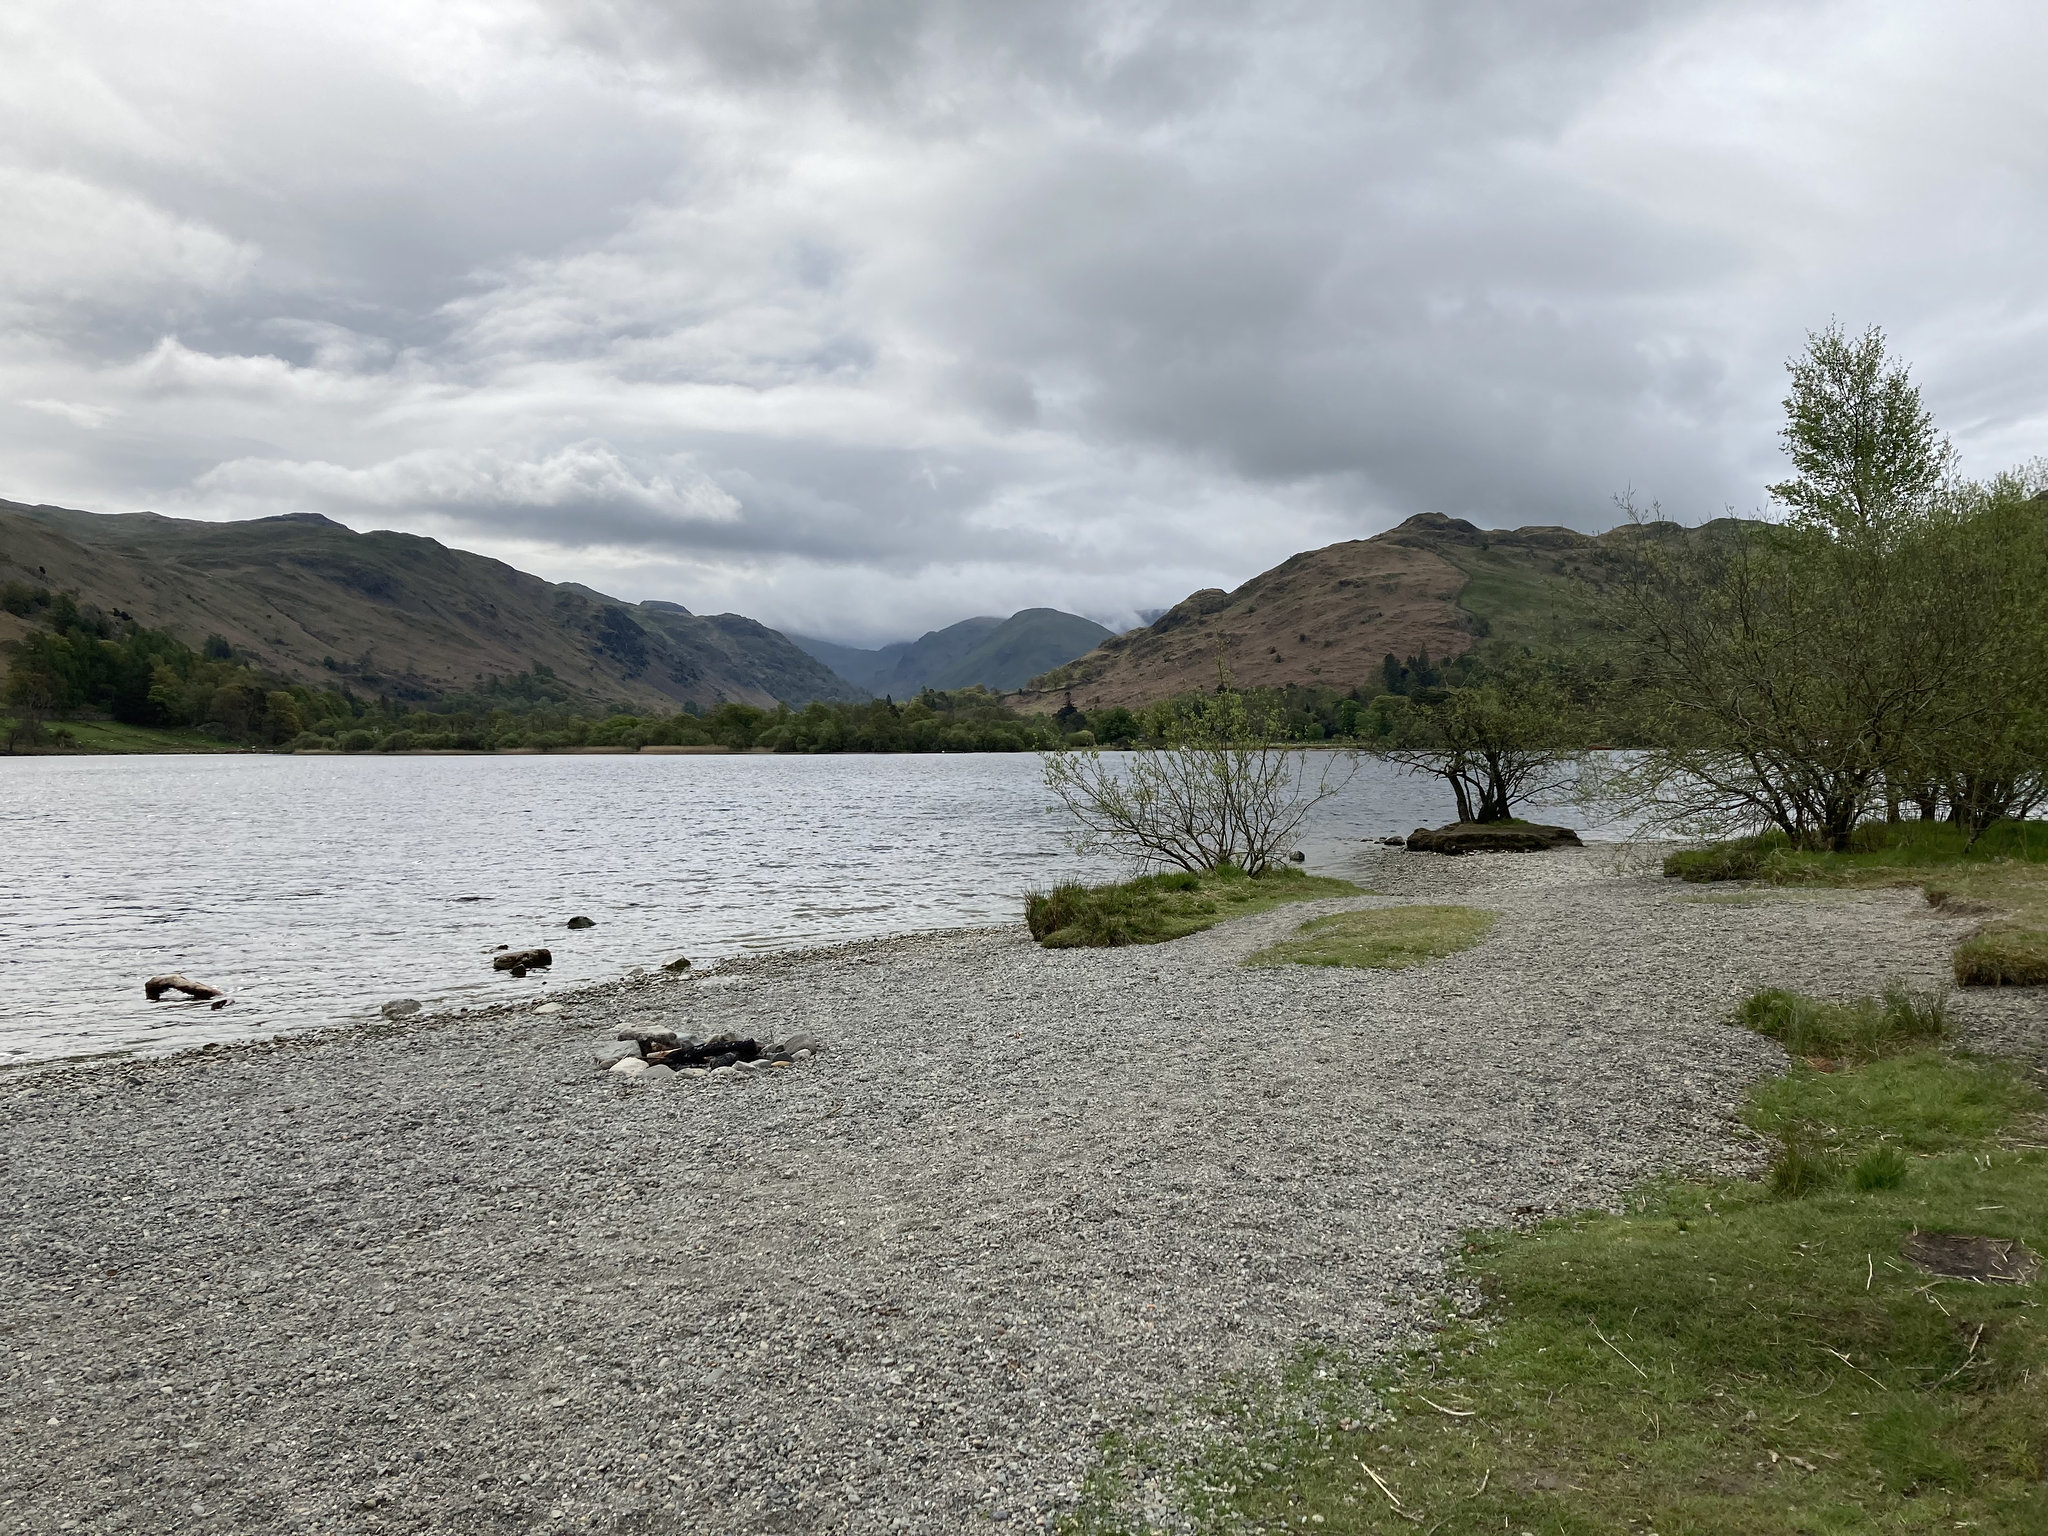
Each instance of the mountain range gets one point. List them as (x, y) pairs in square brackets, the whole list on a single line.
[(398, 614), (395, 613), (1001, 654)]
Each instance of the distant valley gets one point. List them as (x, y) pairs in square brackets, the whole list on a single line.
[(998, 654)]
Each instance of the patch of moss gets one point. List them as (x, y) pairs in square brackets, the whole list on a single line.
[(1153, 909)]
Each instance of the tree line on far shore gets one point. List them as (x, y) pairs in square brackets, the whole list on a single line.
[(1879, 648)]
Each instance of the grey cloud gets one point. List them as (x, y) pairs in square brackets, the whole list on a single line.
[(839, 311)]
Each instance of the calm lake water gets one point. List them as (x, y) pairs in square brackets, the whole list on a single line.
[(313, 889)]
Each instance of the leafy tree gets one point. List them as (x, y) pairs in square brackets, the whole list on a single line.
[(1497, 744), (1796, 675)]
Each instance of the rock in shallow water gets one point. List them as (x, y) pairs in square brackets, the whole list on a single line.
[(401, 1008), (582, 922)]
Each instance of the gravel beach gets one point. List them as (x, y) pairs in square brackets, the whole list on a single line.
[(453, 1278)]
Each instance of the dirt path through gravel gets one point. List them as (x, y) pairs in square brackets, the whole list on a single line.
[(456, 1280)]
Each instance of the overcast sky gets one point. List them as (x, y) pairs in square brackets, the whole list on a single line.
[(861, 317)]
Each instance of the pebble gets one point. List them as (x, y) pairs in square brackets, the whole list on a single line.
[(630, 1064)]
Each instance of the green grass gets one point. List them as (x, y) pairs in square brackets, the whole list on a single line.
[(1730, 1357), (1383, 939), (2004, 874), (1155, 908), (1866, 1028), (92, 736)]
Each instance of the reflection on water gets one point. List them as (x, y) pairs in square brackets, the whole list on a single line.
[(316, 888)]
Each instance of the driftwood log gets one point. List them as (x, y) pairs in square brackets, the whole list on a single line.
[(157, 986)]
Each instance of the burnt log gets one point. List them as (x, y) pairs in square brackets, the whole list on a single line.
[(157, 986)]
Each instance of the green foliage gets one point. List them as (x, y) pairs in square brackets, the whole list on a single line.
[(1718, 1358), (1380, 938), (1879, 1168), (1861, 1030), (965, 720), (1155, 908), (1887, 644), (1497, 743)]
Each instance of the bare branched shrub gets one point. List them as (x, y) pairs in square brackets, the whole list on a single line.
[(1223, 788)]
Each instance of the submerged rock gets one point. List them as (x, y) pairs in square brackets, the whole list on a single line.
[(519, 961), (582, 922), (401, 1008), (1492, 837)]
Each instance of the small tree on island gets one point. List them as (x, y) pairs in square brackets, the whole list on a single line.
[(1224, 788), (1514, 737)]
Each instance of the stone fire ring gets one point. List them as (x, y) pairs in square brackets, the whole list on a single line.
[(661, 1055)]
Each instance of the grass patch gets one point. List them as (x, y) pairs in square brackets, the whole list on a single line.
[(1864, 1029), (1155, 908), (2004, 874), (1724, 1356), (100, 736), (1383, 939)]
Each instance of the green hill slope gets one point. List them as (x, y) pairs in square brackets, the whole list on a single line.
[(993, 653), (1022, 646), (394, 613)]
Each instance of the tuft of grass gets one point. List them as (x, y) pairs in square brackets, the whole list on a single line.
[(2003, 955), (1381, 939), (1153, 909), (1716, 1358), (1861, 1030), (1879, 1168), (1799, 1171)]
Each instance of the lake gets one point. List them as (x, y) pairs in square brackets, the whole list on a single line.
[(314, 889)]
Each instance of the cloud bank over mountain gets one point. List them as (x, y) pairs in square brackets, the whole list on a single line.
[(863, 316)]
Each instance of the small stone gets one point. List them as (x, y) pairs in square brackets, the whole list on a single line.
[(724, 1072), (519, 961), (401, 1008), (692, 1071), (781, 1066), (795, 1043), (802, 1055), (548, 1008), (1297, 857), (629, 1064), (677, 966), (582, 922), (653, 1072)]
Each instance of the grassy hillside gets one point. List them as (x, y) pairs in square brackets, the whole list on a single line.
[(1330, 617), (315, 602), (1018, 649), (999, 654)]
